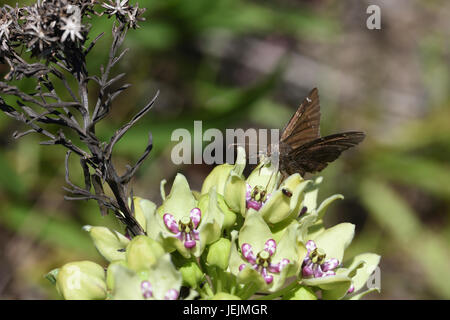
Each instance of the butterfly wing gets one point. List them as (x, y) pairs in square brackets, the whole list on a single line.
[(303, 127), (315, 155)]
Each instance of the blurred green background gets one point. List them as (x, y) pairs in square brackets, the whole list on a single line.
[(243, 64)]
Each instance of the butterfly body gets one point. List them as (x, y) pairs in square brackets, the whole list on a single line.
[(301, 148)]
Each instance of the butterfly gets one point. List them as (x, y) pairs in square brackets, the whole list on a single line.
[(301, 148)]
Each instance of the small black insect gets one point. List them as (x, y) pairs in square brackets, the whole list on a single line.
[(286, 192)]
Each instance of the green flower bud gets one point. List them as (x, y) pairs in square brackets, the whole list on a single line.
[(219, 253), (219, 176), (142, 253), (191, 273), (234, 193), (111, 244), (83, 280)]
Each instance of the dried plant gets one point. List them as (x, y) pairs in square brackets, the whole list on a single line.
[(56, 34)]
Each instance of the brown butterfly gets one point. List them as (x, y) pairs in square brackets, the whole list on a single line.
[(301, 149)]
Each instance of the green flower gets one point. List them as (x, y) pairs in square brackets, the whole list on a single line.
[(325, 251), (261, 191), (186, 224), (284, 203), (141, 254), (161, 281), (359, 269), (228, 181), (263, 262), (83, 280)]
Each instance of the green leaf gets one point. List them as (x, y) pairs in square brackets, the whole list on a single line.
[(425, 247)]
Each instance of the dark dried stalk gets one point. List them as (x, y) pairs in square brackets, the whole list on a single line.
[(62, 47)]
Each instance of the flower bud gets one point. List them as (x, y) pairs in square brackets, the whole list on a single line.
[(83, 280), (142, 253), (111, 244), (191, 273), (219, 253), (234, 193)]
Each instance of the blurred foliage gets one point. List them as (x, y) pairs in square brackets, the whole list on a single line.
[(396, 184)]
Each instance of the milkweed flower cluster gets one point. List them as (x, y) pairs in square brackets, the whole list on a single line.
[(255, 237)]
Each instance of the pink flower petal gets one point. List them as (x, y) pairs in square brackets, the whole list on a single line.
[(189, 243), (351, 289), (330, 264), (248, 193), (248, 253), (170, 222), (267, 277), (251, 204), (307, 271), (310, 246), (196, 216), (172, 294), (270, 246)]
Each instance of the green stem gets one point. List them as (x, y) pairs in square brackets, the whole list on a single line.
[(208, 289), (219, 284)]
